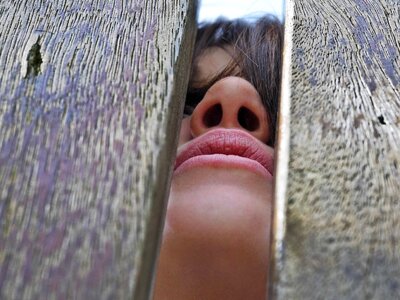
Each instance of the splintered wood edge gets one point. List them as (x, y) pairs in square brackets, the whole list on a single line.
[(278, 228), (155, 222)]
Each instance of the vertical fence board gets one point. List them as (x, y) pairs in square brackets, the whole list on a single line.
[(89, 94), (340, 238)]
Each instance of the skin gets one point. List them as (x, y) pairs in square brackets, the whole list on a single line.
[(216, 236)]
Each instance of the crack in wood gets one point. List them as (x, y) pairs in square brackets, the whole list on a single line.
[(34, 60)]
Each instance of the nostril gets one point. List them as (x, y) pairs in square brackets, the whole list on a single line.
[(213, 116), (248, 120)]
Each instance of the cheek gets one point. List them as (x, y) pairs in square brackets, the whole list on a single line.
[(185, 133)]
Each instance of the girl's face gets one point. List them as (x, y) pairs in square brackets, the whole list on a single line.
[(216, 235)]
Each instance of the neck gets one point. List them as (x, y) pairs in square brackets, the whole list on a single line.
[(197, 273)]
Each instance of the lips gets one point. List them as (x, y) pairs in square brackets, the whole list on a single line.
[(228, 145)]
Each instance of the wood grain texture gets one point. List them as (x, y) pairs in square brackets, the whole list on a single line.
[(90, 92), (342, 232)]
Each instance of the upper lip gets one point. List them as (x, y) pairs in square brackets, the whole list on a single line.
[(229, 142)]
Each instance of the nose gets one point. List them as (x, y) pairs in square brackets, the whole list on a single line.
[(231, 102)]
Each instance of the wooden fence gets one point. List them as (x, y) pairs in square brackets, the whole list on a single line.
[(89, 97), (337, 224), (89, 94)]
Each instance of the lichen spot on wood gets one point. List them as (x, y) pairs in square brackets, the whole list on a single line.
[(34, 60)]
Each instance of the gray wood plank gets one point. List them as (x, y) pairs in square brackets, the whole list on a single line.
[(340, 237), (90, 92)]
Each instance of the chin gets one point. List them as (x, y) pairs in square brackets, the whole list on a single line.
[(220, 222), (216, 236), (229, 211)]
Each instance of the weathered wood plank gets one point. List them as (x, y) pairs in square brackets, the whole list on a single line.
[(89, 94), (341, 235)]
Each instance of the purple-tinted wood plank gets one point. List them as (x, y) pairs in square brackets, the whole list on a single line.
[(89, 93), (341, 235)]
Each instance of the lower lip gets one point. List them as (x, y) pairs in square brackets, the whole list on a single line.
[(220, 161)]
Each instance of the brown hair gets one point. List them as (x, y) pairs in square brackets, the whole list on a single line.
[(257, 52)]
